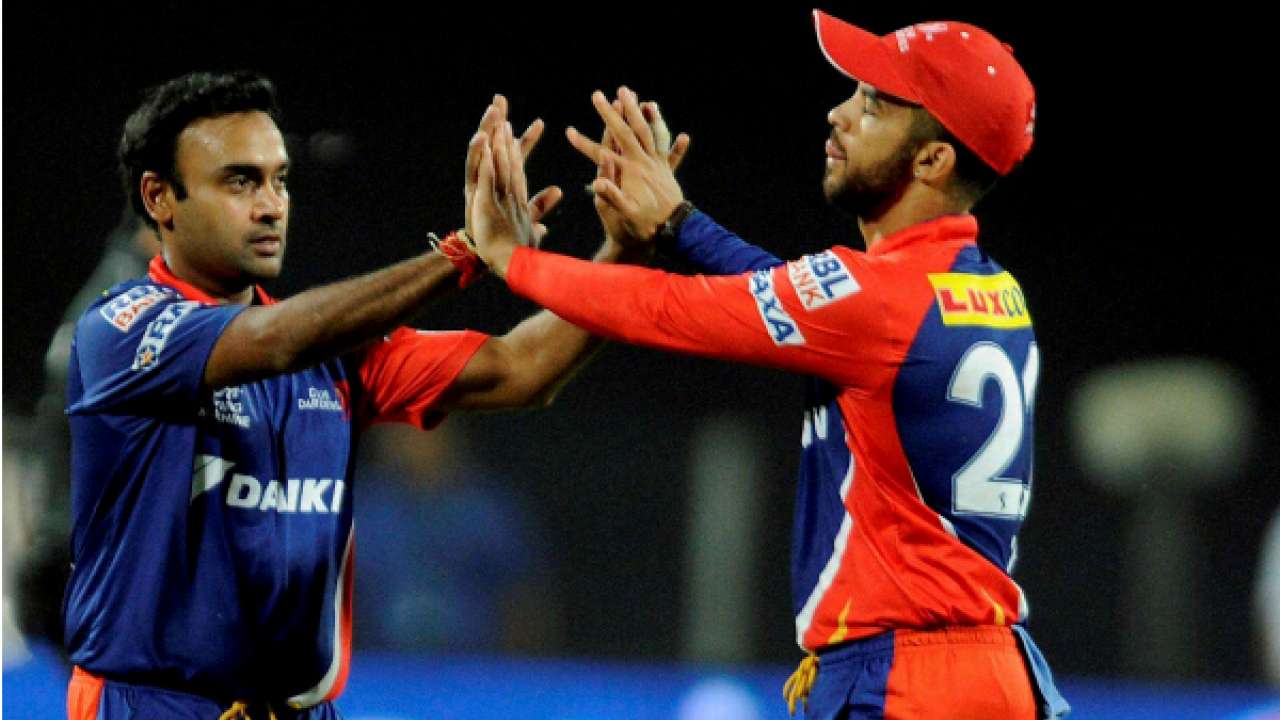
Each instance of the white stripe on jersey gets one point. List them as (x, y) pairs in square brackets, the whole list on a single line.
[(317, 694), (828, 575)]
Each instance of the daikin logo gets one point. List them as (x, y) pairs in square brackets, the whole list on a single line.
[(295, 495)]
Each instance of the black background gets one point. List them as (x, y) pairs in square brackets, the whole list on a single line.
[(1130, 227)]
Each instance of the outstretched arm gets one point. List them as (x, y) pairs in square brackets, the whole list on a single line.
[(754, 318), (326, 321)]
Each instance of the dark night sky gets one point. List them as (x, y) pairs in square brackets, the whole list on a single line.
[(1128, 227)]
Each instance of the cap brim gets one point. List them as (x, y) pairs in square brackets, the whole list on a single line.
[(860, 55)]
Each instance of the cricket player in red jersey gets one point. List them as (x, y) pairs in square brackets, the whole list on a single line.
[(916, 468)]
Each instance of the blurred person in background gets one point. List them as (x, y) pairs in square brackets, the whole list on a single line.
[(916, 465), (41, 574), (451, 556)]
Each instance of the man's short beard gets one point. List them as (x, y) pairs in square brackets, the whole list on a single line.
[(868, 195)]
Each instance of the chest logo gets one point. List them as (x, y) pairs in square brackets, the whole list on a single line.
[(229, 407), (316, 399)]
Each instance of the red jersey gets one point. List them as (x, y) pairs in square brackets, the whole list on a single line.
[(916, 468)]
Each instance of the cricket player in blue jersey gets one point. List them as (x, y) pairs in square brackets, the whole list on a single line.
[(213, 427)]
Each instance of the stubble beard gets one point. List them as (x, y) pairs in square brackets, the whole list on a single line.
[(866, 195)]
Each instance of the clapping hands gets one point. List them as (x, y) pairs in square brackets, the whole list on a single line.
[(635, 187)]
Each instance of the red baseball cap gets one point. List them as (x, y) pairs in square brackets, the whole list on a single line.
[(960, 73)]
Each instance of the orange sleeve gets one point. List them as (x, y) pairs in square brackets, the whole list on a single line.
[(813, 315), (405, 373)]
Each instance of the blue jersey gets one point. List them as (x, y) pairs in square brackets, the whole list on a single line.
[(212, 532)]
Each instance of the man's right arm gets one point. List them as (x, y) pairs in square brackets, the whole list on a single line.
[(324, 322), (718, 251)]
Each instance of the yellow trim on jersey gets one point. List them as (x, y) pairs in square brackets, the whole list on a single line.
[(842, 629), (986, 300), (996, 605)]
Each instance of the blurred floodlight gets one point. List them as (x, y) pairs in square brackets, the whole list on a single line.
[(1191, 415)]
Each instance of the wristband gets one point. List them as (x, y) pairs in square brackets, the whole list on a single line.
[(670, 229), (460, 250)]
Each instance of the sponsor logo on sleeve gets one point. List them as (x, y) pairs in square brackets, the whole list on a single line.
[(820, 279), (128, 306), (994, 301), (780, 325), (157, 334)]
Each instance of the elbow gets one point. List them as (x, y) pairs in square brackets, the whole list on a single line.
[(542, 399)]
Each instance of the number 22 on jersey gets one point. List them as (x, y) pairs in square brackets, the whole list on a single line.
[(981, 487)]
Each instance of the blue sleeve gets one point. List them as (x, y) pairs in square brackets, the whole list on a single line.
[(145, 350), (718, 251)]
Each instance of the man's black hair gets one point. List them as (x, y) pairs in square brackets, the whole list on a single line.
[(972, 177), (150, 138)]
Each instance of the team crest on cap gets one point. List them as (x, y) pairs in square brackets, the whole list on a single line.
[(925, 30)]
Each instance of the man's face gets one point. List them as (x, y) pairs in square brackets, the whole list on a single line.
[(869, 154), (230, 228)]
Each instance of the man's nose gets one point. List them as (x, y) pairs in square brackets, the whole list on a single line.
[(840, 116), (269, 204)]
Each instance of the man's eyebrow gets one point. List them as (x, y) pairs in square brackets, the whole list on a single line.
[(249, 169), (881, 99)]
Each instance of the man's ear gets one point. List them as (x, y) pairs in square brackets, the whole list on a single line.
[(935, 162), (158, 197)]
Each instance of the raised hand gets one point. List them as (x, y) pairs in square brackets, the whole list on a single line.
[(502, 215), (636, 161), (495, 115)]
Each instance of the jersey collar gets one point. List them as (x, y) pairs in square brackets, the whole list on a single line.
[(159, 272), (942, 229)]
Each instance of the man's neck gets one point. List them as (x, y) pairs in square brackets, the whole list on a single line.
[(913, 208), (242, 295)]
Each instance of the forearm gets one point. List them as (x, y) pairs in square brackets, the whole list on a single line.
[(326, 321), (737, 317), (716, 250), (544, 351)]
